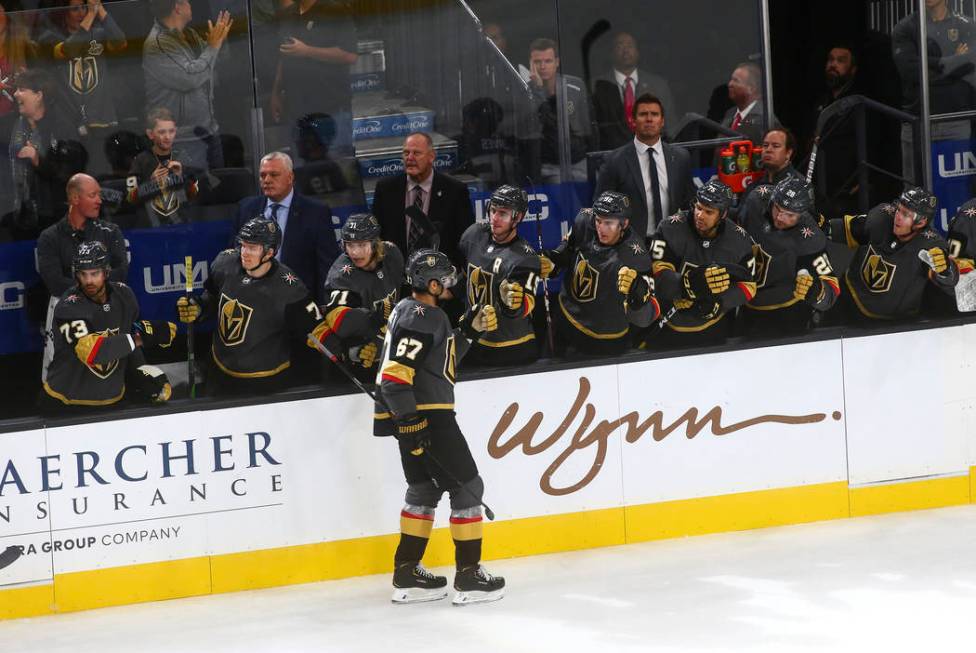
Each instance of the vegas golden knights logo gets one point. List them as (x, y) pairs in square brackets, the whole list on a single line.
[(763, 260), (83, 74), (479, 285), (104, 370), (233, 320), (585, 280), (876, 272), (166, 203)]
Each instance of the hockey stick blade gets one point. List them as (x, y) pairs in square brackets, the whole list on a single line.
[(10, 555)]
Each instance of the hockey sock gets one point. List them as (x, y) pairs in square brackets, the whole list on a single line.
[(416, 523), (466, 529)]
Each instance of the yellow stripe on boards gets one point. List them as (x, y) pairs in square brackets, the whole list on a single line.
[(504, 539), (910, 495)]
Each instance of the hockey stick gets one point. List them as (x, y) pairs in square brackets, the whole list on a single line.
[(191, 377), (322, 349), (10, 555), (842, 105), (545, 281)]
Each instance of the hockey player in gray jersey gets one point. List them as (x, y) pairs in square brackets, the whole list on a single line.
[(362, 288), (98, 342), (261, 306), (962, 237), (608, 289), (502, 271), (703, 267), (416, 383), (897, 255), (794, 275)]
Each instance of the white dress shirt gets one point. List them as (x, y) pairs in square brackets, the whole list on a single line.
[(622, 81), (662, 178)]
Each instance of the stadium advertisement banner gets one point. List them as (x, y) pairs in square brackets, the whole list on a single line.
[(954, 177), (394, 125), (262, 477)]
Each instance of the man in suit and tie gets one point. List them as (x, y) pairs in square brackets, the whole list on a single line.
[(443, 202), (745, 91), (656, 176), (309, 246), (614, 94)]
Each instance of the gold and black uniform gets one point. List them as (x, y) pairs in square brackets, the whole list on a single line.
[(592, 314), (780, 255), (257, 318), (962, 237), (355, 299), (677, 248), (886, 278), (93, 347), (488, 264)]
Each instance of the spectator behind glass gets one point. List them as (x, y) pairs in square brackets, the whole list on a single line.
[(78, 43), (615, 91), (158, 181), (43, 154), (745, 91), (544, 76), (319, 173), (951, 54), (179, 68), (318, 42), (15, 48)]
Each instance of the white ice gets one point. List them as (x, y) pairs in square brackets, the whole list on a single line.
[(896, 582)]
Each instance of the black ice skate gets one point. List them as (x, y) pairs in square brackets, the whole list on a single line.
[(412, 583), (476, 585)]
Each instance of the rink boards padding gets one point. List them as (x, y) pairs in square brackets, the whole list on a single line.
[(201, 502)]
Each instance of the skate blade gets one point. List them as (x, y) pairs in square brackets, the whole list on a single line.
[(418, 594), (467, 598)]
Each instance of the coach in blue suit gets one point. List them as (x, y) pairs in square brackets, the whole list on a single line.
[(309, 246)]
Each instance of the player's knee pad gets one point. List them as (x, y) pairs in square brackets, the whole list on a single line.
[(424, 493), (468, 495)]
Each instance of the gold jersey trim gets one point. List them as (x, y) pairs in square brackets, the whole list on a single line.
[(864, 311), (398, 371), (248, 375), (82, 402), (695, 329), (506, 343), (387, 415), (773, 307), (851, 242), (589, 332)]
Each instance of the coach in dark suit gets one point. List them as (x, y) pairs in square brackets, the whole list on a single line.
[(444, 201), (745, 91), (309, 246), (657, 190)]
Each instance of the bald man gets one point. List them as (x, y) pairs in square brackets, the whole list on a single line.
[(57, 244)]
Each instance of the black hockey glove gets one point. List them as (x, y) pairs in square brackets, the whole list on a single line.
[(149, 384), (155, 333), (477, 320), (414, 431), (379, 317), (707, 308), (808, 289)]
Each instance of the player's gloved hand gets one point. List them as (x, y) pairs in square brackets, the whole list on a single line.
[(414, 431), (693, 284), (808, 288), (188, 308), (367, 354), (683, 304), (939, 263), (151, 384), (381, 314), (625, 277), (155, 333), (478, 319), (512, 294), (546, 266), (328, 339), (717, 278), (640, 290)]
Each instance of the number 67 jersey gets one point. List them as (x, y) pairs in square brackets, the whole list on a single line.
[(417, 372)]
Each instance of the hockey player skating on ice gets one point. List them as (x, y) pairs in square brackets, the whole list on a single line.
[(361, 290), (416, 384), (703, 267), (261, 306), (897, 255), (608, 290), (502, 271), (794, 275), (98, 342)]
